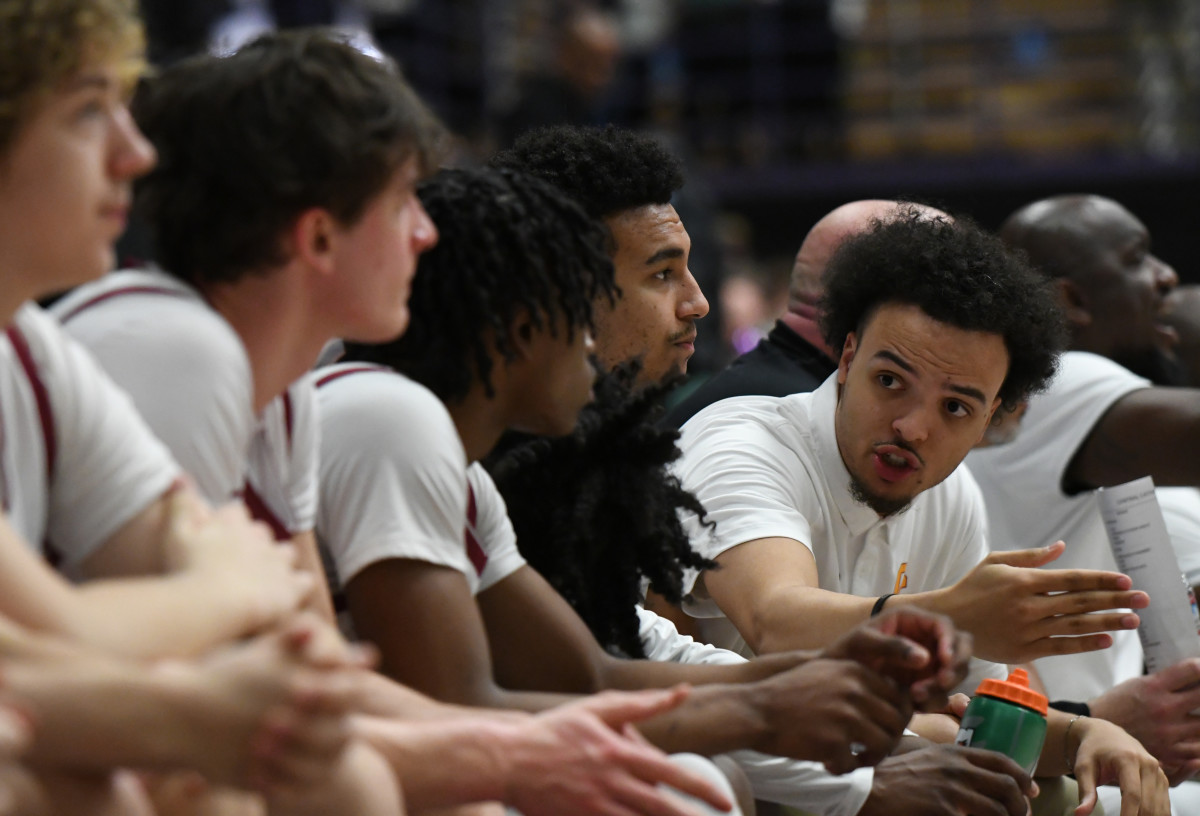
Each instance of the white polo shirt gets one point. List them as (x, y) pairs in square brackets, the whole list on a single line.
[(395, 483), (188, 373), (767, 467), (76, 460), (1022, 487)]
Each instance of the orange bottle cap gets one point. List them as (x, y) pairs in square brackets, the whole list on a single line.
[(1016, 690)]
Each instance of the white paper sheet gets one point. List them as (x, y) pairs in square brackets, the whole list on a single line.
[(1142, 548)]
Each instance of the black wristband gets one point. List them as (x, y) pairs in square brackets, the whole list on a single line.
[(878, 607), (1079, 709)]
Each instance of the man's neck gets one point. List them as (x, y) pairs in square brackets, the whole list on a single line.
[(802, 319), (276, 323), (480, 420)]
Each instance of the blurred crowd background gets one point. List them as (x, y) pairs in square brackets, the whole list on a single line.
[(783, 109)]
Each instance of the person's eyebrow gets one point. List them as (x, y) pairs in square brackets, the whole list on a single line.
[(968, 391), (664, 254), (964, 390), (895, 358)]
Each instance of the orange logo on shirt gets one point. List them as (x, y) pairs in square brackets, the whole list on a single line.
[(901, 578)]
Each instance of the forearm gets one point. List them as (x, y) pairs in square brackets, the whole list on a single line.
[(617, 673), (804, 617), (1059, 749), (714, 719), (179, 615), (93, 713), (383, 697), (445, 763)]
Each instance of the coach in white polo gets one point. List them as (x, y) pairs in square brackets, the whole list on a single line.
[(828, 506)]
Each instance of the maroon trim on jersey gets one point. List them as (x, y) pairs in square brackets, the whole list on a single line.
[(260, 512), (337, 375), (124, 290), (40, 395), (287, 418), (475, 552)]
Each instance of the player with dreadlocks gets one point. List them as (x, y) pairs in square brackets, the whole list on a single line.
[(595, 512), (500, 316), (601, 542)]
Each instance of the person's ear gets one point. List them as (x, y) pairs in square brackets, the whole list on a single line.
[(312, 239), (521, 335), (849, 347), (1073, 300)]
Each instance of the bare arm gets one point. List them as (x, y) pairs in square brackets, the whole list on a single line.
[(1152, 431), (766, 585), (228, 579), (1099, 753), (430, 632), (568, 760), (538, 641), (424, 621), (217, 716)]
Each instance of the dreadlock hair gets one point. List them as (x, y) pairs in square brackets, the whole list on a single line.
[(956, 274), (596, 512), (607, 170), (510, 245)]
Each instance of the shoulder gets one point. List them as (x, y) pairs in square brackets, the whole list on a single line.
[(349, 392), (749, 427), (52, 361), (739, 413), (368, 411), (1083, 370), (145, 316)]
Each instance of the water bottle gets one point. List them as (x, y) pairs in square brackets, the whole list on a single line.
[(1006, 716)]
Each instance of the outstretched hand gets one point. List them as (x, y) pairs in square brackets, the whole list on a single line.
[(1018, 613)]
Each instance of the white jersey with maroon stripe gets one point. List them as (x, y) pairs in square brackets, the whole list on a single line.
[(190, 377), (497, 540), (394, 481), (281, 476), (76, 460)]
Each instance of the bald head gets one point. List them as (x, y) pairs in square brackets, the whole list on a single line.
[(1111, 286), (1059, 233), (828, 234)]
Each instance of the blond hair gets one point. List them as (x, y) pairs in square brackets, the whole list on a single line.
[(44, 43)]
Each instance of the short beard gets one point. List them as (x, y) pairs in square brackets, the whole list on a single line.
[(1157, 366), (883, 506)]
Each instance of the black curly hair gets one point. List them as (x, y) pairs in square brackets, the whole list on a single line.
[(596, 512), (607, 170), (957, 274), (509, 245)]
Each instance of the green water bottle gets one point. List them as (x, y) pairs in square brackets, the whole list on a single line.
[(1006, 716)]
